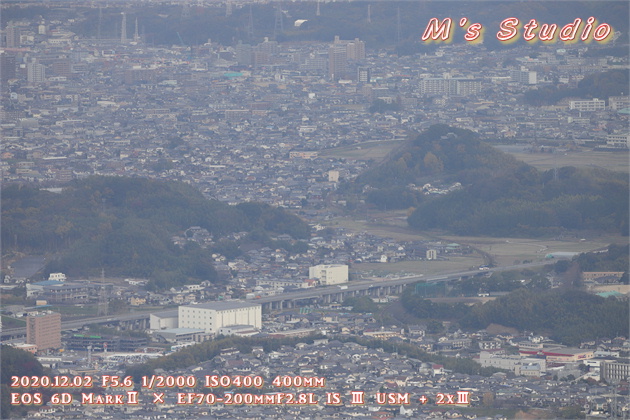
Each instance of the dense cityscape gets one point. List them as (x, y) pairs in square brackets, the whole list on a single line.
[(296, 271)]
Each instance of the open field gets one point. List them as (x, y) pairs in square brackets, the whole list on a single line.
[(376, 150), (428, 268), (506, 251), (614, 161), (10, 322), (387, 224)]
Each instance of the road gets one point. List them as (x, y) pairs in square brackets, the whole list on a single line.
[(307, 294), (378, 282)]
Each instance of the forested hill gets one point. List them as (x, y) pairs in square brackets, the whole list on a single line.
[(500, 195), (440, 152), (568, 316), (126, 226)]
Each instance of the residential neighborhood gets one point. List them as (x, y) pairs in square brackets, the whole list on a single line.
[(291, 125)]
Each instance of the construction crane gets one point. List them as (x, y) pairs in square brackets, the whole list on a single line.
[(181, 41)]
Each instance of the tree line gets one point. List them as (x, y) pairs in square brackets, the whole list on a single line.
[(126, 226), (598, 85), (568, 316), (500, 195)]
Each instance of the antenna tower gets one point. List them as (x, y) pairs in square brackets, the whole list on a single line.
[(250, 24), (398, 28), (103, 304), (123, 32), (278, 27), (100, 22), (136, 35)]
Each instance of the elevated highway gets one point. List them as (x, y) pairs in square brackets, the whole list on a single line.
[(369, 287)]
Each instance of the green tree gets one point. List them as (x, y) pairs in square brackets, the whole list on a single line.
[(15, 362), (433, 163), (361, 304)]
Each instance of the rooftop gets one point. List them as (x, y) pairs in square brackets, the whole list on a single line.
[(222, 306)]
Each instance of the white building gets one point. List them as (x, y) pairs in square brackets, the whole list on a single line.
[(592, 105), (524, 76), (519, 365), (329, 273), (35, 73), (618, 102), (240, 330), (57, 277), (163, 321), (621, 141), (212, 316)]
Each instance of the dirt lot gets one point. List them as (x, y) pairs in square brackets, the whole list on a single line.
[(508, 250), (614, 161), (376, 150), (428, 268)]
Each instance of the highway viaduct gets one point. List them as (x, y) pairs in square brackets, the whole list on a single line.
[(337, 293)]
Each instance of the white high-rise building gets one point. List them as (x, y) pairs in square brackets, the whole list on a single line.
[(35, 73), (524, 76)]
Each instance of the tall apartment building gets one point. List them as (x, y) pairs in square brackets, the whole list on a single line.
[(13, 36), (35, 73), (340, 53), (7, 67), (244, 54), (44, 330), (524, 76), (355, 50), (214, 315), (337, 62)]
